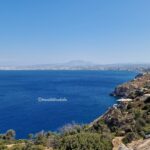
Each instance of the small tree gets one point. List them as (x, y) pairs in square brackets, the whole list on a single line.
[(72, 128), (30, 136), (10, 134)]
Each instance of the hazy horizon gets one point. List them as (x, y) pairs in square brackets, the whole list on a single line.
[(76, 63), (47, 32)]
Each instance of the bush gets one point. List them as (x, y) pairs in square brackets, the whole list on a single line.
[(9, 135), (47, 139), (36, 147), (18, 147), (30, 146), (84, 141), (72, 128), (137, 114), (141, 122), (142, 134), (129, 137), (40, 139), (3, 147)]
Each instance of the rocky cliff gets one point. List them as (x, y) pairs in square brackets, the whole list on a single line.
[(140, 85), (129, 121)]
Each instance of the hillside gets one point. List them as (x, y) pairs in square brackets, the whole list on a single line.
[(79, 65), (129, 119), (137, 87)]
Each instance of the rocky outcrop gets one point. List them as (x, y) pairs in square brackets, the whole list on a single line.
[(123, 91), (123, 147), (135, 145), (137, 87), (140, 145), (118, 144)]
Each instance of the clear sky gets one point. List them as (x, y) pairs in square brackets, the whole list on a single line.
[(51, 31)]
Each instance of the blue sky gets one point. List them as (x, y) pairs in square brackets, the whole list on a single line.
[(51, 31)]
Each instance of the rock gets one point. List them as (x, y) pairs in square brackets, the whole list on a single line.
[(123, 147), (139, 75), (132, 89), (122, 91)]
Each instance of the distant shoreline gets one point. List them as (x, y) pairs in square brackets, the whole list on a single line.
[(68, 70), (75, 67)]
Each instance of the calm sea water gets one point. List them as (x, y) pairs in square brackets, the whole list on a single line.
[(87, 94)]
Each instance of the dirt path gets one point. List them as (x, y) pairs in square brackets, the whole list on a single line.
[(140, 145), (11, 145), (117, 142), (135, 145)]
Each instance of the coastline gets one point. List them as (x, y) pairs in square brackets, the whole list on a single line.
[(138, 92), (119, 125), (93, 81), (114, 106)]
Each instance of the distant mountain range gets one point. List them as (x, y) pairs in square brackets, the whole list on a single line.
[(80, 65)]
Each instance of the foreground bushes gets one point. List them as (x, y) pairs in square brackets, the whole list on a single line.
[(77, 141), (27, 147), (129, 137), (84, 141), (3, 147)]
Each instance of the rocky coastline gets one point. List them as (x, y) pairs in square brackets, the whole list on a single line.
[(129, 119)]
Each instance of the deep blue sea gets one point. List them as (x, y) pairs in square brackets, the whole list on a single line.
[(87, 94)]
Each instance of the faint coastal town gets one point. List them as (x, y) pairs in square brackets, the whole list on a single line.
[(80, 65)]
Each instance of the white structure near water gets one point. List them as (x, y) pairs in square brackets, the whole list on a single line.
[(124, 100)]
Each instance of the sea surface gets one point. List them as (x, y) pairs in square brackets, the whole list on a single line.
[(31, 101)]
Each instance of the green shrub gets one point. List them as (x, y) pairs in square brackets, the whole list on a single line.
[(129, 137), (18, 147), (31, 146), (40, 139), (84, 141), (137, 114), (141, 122), (3, 147), (71, 128)]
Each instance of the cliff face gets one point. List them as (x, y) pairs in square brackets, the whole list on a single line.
[(140, 85)]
